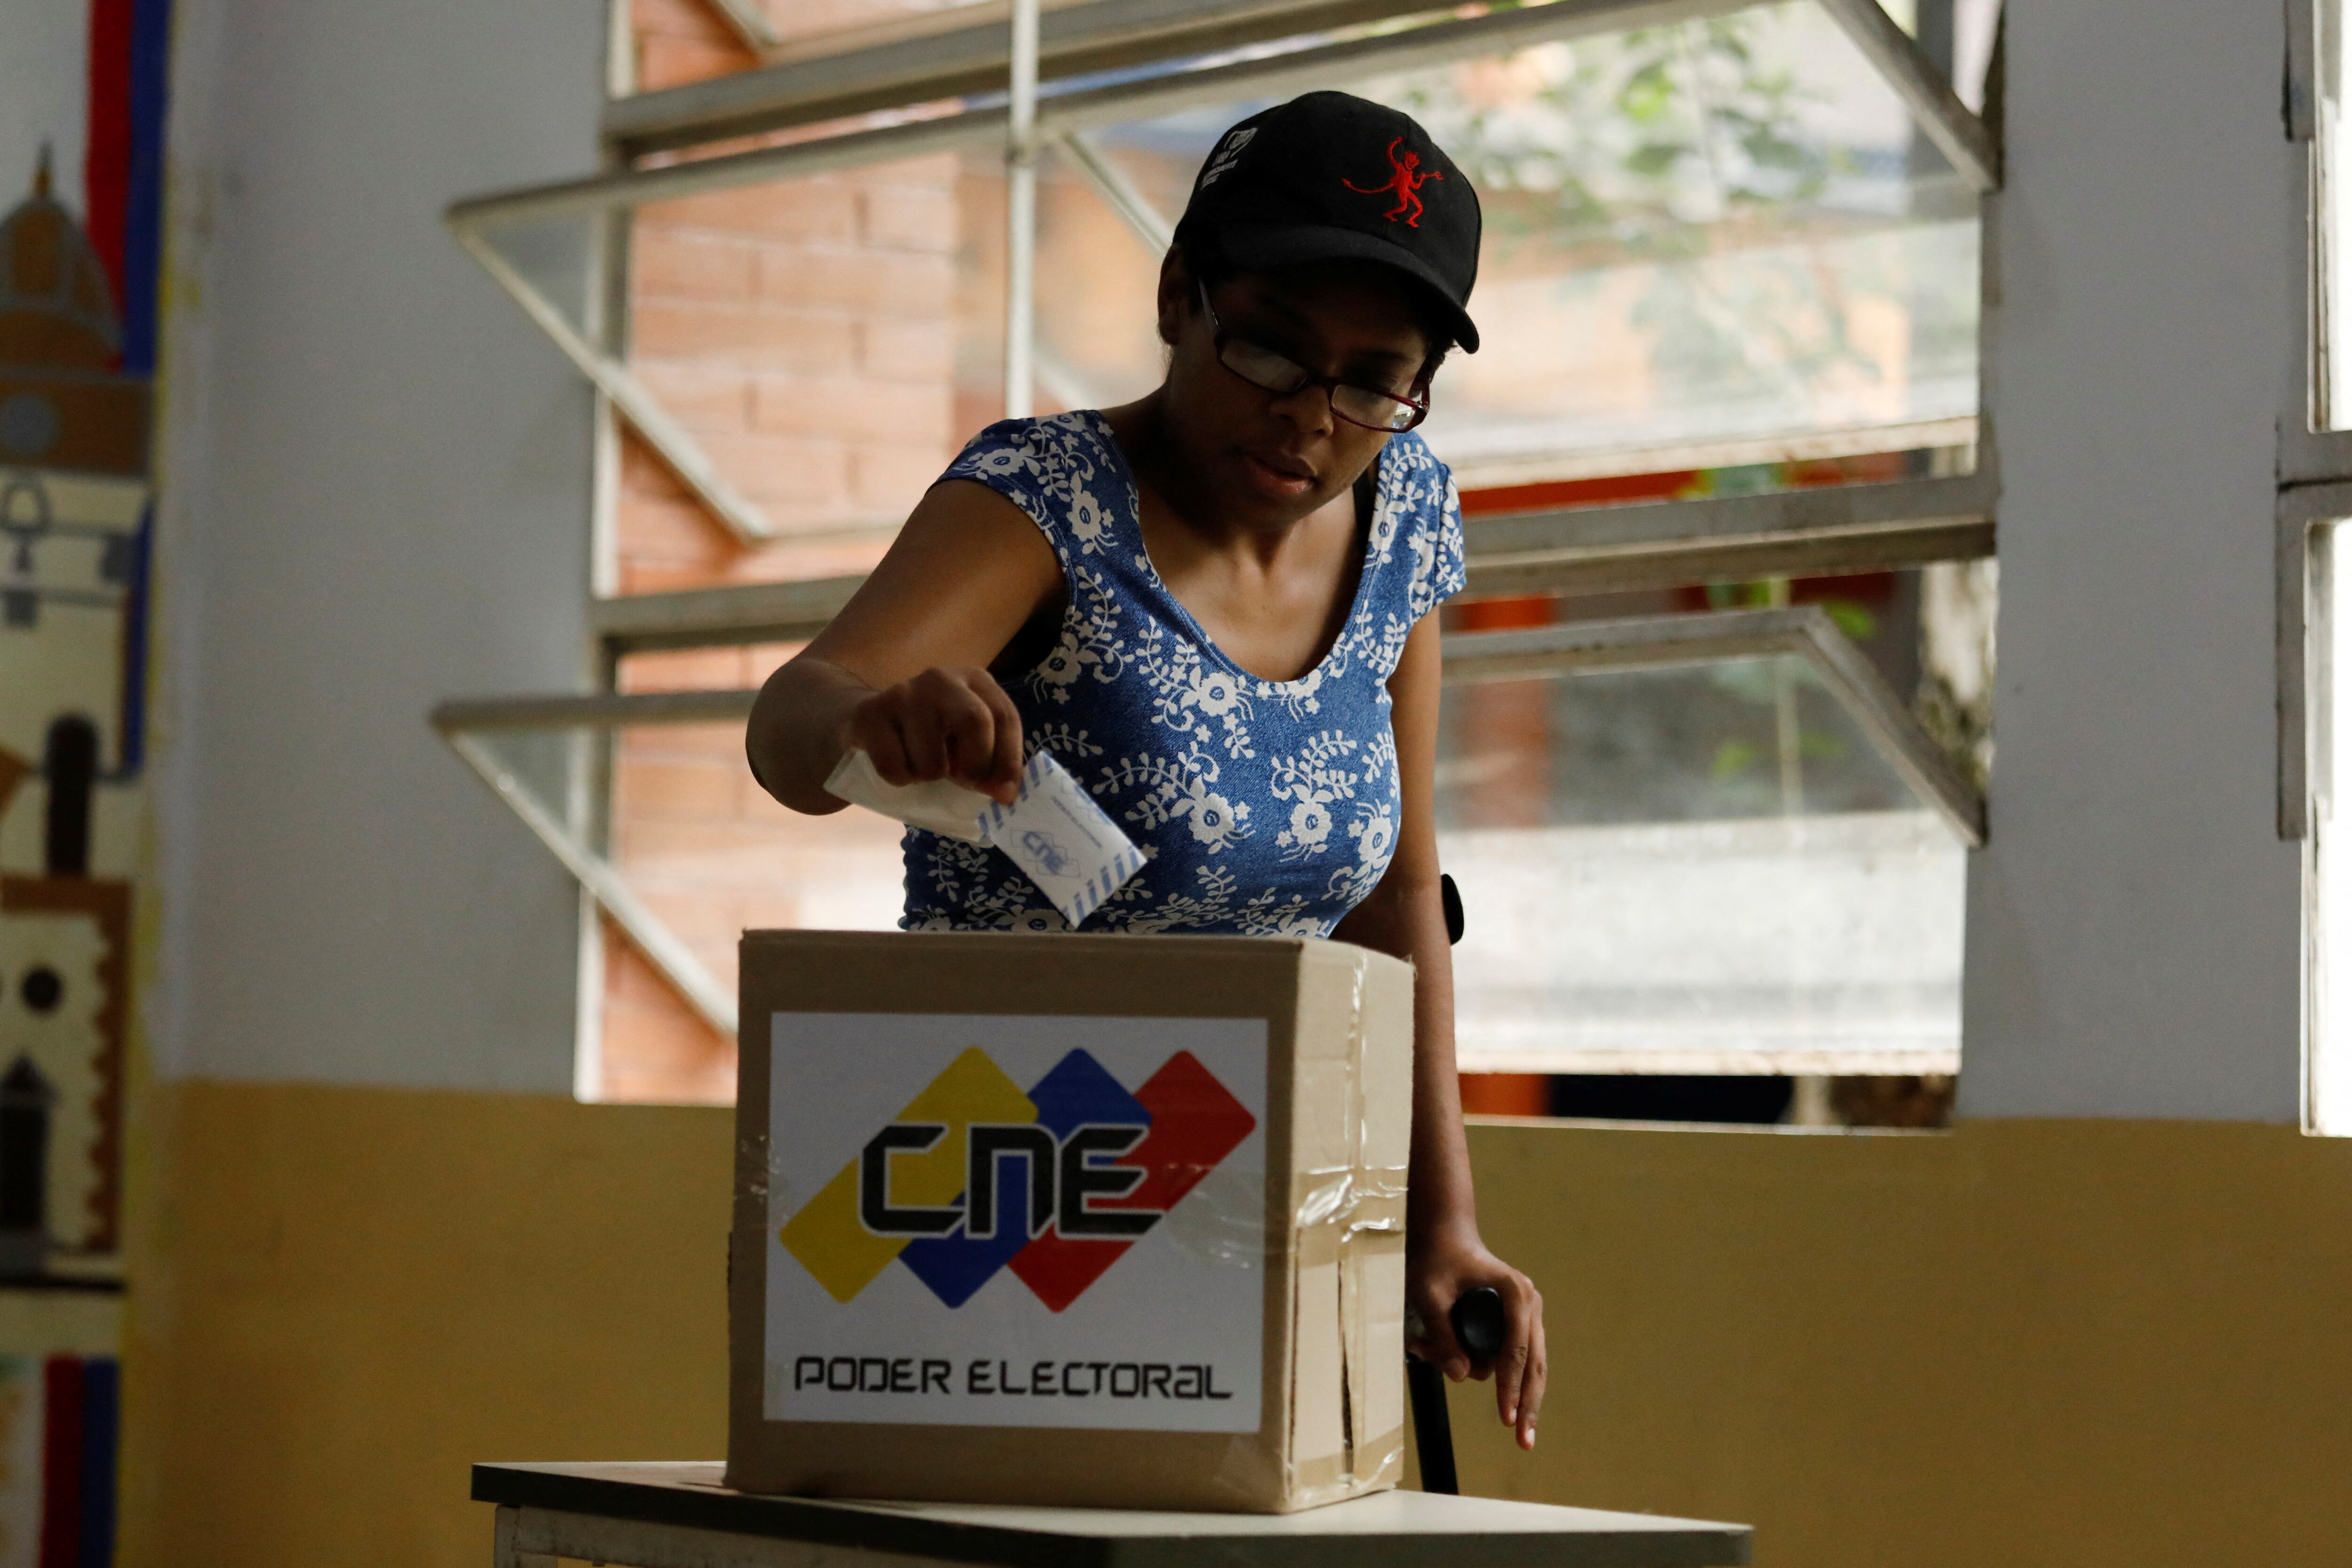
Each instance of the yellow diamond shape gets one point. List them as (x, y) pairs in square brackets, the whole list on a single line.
[(828, 1235)]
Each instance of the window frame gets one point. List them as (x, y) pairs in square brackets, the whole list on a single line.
[(1857, 526), (2313, 500)]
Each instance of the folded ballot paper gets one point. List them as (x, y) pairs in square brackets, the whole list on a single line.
[(940, 806), (1053, 830)]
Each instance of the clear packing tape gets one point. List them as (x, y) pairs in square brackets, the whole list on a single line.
[(1347, 1215)]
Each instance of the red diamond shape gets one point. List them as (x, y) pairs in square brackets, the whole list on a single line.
[(1196, 1123)]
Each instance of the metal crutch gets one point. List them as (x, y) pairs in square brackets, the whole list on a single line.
[(1480, 1324)]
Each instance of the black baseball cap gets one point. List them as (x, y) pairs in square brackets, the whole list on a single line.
[(1329, 176)]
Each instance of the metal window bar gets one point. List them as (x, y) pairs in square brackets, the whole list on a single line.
[(1654, 641), (1118, 191), (1784, 533), (2314, 465), (597, 874), (747, 19), (1963, 139), (669, 441), (1584, 549), (2303, 510), (1021, 217)]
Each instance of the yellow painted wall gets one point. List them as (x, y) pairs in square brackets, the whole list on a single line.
[(343, 1298), (2077, 1343)]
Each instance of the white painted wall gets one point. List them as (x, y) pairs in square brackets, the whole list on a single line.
[(375, 478), (44, 94), (2133, 927)]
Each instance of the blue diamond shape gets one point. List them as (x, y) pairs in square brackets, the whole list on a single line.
[(1076, 1091)]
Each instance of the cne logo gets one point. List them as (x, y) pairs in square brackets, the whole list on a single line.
[(1049, 853), (975, 1176)]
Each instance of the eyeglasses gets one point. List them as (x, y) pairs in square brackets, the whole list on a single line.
[(1269, 372)]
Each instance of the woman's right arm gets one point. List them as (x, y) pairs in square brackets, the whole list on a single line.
[(901, 672)]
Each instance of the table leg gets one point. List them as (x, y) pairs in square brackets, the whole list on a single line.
[(503, 1550)]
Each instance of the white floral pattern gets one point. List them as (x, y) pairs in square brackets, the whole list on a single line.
[(1263, 808)]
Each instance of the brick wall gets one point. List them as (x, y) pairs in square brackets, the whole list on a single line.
[(680, 41), (805, 333)]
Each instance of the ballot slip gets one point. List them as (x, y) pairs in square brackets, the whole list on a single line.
[(1064, 843)]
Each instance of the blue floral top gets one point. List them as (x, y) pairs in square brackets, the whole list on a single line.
[(1263, 806)]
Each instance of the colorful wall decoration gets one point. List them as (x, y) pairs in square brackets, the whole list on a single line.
[(74, 517), (78, 310)]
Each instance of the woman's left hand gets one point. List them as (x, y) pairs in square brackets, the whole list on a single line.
[(1437, 1272)]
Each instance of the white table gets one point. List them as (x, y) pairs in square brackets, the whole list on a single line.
[(680, 1516)]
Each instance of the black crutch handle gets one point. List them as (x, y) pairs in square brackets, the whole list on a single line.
[(1481, 1324)]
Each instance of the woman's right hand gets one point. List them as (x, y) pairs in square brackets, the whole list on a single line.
[(955, 723), (893, 674)]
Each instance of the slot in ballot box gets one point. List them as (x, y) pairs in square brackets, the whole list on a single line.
[(1104, 1220)]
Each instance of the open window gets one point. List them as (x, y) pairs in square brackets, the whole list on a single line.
[(1739, 250), (2314, 616), (1714, 842)]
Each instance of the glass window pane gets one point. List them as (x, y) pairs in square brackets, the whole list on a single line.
[(2330, 1048), (1741, 737), (828, 342), (556, 257), (1700, 236), (713, 855), (1097, 342), (551, 768), (681, 41), (1705, 869), (2334, 397), (704, 849)]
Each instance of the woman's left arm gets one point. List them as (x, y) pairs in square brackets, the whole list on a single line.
[(1405, 915)]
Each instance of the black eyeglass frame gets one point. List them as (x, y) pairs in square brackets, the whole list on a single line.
[(1332, 385)]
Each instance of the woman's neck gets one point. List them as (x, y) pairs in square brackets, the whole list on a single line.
[(1272, 598), (1170, 490)]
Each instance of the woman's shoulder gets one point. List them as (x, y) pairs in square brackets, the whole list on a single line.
[(1414, 476), (1417, 523), (1062, 469), (1044, 449), (1415, 493)]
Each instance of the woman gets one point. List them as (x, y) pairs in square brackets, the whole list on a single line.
[(1217, 606)]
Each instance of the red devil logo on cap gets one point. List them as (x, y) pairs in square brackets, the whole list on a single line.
[(1404, 181)]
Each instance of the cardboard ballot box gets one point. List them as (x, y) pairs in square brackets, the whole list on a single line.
[(1069, 1220)]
